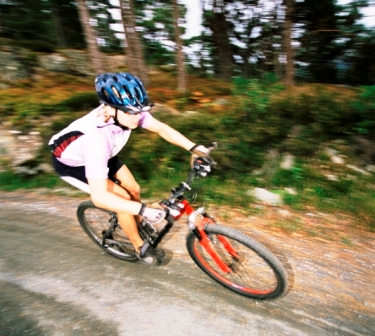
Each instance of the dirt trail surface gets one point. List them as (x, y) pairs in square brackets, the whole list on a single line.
[(55, 281)]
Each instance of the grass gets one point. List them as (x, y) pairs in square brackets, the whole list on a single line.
[(10, 181), (346, 241), (289, 225)]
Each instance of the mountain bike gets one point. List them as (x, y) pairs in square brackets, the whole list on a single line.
[(228, 256)]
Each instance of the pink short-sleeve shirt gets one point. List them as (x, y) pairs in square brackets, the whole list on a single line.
[(90, 141)]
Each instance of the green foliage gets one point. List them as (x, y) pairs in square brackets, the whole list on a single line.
[(47, 23), (10, 181), (294, 177), (79, 102), (36, 46), (157, 27), (85, 101), (364, 106)]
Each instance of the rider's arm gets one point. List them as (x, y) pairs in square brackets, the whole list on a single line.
[(169, 134)]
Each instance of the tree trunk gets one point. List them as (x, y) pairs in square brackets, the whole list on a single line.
[(58, 24), (90, 37), (218, 25), (1, 26), (134, 52), (289, 69), (181, 75)]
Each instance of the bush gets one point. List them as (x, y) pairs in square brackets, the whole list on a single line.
[(85, 101), (364, 107)]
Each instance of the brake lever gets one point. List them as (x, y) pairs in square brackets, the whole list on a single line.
[(207, 160), (212, 147)]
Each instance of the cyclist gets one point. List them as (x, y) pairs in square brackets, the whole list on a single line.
[(84, 154)]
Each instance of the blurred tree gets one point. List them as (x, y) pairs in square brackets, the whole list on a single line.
[(134, 50), (356, 65), (335, 47), (287, 42), (155, 21), (318, 20), (50, 21), (101, 12), (360, 60), (26, 19), (90, 37), (182, 85), (58, 24), (214, 15), (243, 37), (66, 22)]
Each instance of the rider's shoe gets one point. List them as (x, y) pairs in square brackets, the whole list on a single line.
[(151, 255)]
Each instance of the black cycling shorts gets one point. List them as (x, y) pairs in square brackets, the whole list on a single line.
[(114, 164)]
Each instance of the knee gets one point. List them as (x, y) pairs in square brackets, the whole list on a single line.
[(135, 189)]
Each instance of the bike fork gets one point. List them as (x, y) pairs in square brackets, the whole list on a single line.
[(206, 241), (207, 245)]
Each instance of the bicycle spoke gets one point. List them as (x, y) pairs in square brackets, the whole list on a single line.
[(249, 270), (254, 271), (98, 224)]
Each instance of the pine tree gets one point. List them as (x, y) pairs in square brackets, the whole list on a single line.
[(90, 36)]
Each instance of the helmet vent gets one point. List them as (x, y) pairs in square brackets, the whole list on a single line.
[(138, 95), (127, 91), (105, 93), (115, 91)]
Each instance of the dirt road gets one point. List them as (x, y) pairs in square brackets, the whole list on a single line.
[(55, 281)]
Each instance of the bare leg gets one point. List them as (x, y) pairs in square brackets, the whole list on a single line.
[(127, 222), (129, 226), (128, 189)]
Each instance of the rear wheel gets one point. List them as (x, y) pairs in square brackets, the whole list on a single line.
[(255, 273), (97, 222)]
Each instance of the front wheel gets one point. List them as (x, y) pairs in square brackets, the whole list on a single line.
[(102, 227), (255, 272)]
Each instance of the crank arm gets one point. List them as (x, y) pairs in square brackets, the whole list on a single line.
[(114, 242)]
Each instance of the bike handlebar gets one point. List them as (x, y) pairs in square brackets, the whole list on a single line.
[(202, 165)]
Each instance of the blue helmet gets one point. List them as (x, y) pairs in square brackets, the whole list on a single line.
[(122, 91)]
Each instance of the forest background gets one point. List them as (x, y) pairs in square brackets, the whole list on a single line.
[(286, 88)]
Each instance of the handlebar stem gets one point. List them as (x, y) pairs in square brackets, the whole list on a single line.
[(192, 217)]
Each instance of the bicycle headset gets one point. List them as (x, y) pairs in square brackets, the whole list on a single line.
[(122, 91)]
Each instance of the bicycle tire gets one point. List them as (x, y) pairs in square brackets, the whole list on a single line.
[(95, 222), (256, 274)]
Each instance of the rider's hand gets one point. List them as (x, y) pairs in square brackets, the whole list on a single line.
[(152, 215), (199, 150)]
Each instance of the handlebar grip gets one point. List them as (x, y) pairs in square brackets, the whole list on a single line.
[(213, 146)]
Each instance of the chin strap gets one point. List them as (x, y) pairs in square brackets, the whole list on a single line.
[(117, 122)]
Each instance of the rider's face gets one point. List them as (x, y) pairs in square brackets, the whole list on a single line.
[(128, 120)]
